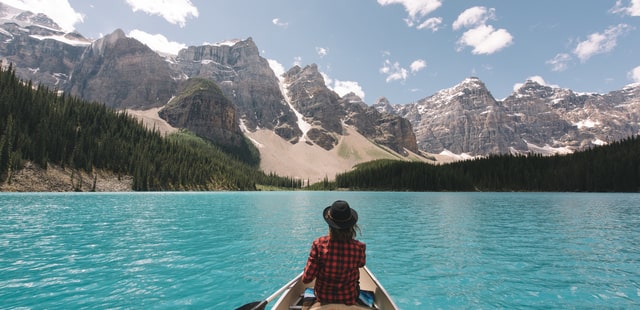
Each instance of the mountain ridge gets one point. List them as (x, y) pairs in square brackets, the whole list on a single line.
[(466, 119), (462, 121)]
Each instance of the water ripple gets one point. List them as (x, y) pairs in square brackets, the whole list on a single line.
[(221, 250)]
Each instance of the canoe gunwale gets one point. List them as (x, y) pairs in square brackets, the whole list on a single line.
[(368, 282)]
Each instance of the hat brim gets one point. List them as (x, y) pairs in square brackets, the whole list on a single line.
[(340, 225)]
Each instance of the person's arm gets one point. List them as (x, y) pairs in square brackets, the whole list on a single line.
[(311, 269), (364, 255)]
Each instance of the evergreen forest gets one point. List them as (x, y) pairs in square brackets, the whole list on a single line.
[(42, 126), (39, 125), (611, 168)]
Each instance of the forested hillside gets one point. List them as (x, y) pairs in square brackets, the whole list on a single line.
[(42, 126), (611, 168)]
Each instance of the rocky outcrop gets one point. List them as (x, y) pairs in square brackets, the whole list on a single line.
[(318, 105), (310, 96), (201, 107), (326, 111), (37, 47), (246, 79), (462, 119), (382, 128), (534, 119), (122, 73), (560, 118)]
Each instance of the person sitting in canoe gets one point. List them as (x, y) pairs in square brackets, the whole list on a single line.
[(334, 259)]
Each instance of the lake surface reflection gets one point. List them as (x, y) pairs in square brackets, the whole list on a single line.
[(221, 250)]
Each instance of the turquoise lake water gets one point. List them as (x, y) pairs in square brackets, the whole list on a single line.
[(222, 250)]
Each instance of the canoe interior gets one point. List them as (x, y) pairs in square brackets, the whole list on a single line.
[(368, 282)]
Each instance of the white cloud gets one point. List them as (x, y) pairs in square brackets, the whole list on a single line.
[(393, 71), (276, 21), (634, 74), (343, 87), (417, 9), (418, 65), (536, 78), (431, 23), (322, 51), (473, 17), (599, 43), (560, 62), (58, 10), (157, 42), (485, 39), (297, 61), (173, 11), (633, 9)]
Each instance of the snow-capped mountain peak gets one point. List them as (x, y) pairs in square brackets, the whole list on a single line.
[(26, 18)]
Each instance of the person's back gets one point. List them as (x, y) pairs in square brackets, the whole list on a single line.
[(335, 259)]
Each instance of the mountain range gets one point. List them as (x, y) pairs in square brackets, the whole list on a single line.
[(534, 119), (225, 92)]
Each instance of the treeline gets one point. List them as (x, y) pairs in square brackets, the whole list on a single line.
[(611, 168), (42, 126)]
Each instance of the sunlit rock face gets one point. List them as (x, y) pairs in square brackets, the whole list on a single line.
[(201, 107), (37, 48), (534, 119), (122, 73), (246, 79)]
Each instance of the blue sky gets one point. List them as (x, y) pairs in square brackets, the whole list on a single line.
[(404, 50)]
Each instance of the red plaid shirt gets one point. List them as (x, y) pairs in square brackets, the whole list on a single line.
[(335, 265)]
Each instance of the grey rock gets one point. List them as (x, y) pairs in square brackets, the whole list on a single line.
[(247, 80), (534, 119), (201, 107), (122, 73), (34, 45)]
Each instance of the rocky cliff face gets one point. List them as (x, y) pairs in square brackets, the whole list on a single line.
[(318, 105), (38, 49), (122, 73), (461, 119), (326, 111), (246, 79), (535, 115), (535, 118), (382, 128), (561, 119), (202, 108)]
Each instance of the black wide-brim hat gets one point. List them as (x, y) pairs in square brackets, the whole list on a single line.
[(339, 215)]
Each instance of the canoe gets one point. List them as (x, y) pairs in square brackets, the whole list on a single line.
[(291, 297)]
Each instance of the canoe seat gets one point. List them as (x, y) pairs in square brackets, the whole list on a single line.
[(308, 298), (305, 299)]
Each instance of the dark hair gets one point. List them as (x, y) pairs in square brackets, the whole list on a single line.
[(344, 234)]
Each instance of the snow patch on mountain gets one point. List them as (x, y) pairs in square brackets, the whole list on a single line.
[(24, 19), (457, 157), (587, 123), (225, 43), (63, 39), (302, 124)]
